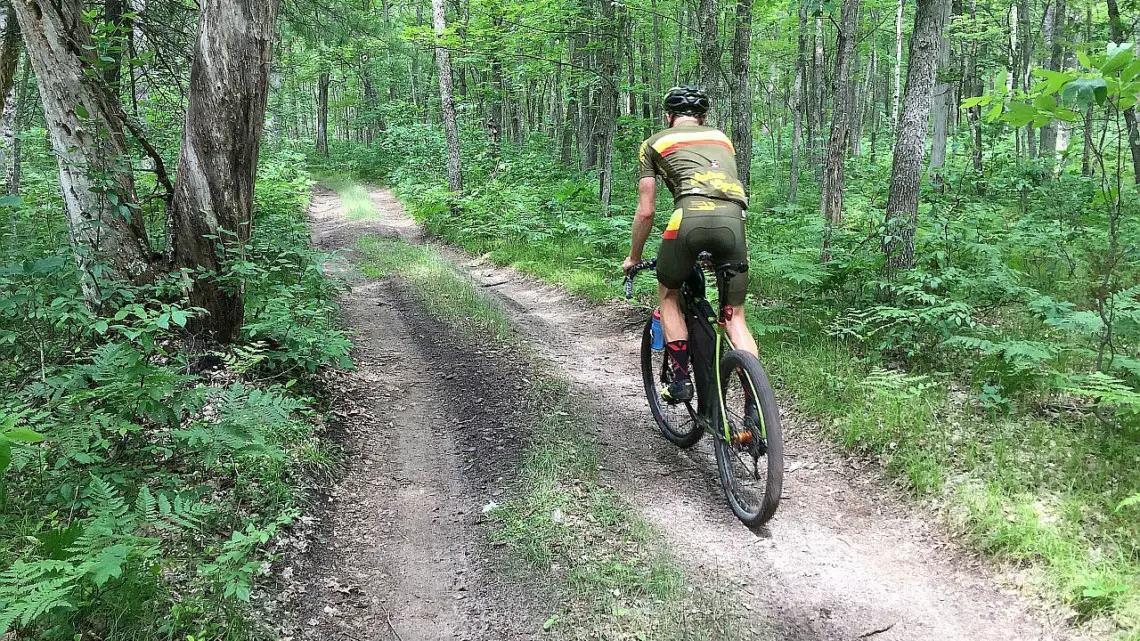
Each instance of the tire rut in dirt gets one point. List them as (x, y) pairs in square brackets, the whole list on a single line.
[(398, 551)]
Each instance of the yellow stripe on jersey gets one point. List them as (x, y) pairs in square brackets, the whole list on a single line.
[(711, 136)]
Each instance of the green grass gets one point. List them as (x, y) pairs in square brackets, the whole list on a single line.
[(1036, 493), (446, 292), (605, 568), (355, 198)]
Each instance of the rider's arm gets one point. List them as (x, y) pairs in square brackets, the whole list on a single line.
[(643, 219)]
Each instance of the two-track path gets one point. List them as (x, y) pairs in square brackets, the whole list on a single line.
[(845, 559)]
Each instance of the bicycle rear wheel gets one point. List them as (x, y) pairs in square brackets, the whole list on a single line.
[(677, 422), (751, 460)]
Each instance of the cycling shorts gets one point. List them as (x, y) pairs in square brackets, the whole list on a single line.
[(704, 224)]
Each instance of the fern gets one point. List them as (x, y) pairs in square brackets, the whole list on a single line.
[(1106, 390), (32, 590)]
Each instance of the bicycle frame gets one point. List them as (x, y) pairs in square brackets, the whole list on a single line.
[(705, 320), (697, 309)]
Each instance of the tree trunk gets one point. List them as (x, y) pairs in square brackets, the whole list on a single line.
[(85, 129), (658, 62), (710, 50), (906, 171), (677, 45), (14, 167), (607, 126), (1025, 59), (864, 99), (1116, 29), (942, 102), (323, 114), (815, 108), (974, 114), (797, 108), (742, 92), (115, 16), (831, 196), (1052, 30), (9, 57), (212, 210), (898, 66), (447, 101)]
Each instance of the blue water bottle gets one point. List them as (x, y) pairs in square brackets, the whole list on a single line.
[(655, 335)]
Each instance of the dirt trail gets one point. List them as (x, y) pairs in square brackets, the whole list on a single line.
[(398, 554), (844, 558)]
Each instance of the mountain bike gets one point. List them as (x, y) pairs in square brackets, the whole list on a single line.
[(734, 399)]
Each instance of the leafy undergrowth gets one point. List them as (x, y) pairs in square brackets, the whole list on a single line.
[(604, 567), (979, 379), (144, 472)]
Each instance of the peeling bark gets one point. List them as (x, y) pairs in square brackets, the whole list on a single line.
[(104, 225), (213, 202)]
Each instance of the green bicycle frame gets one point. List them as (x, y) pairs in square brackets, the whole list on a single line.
[(722, 339)]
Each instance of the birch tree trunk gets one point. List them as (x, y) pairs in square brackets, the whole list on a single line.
[(898, 66), (797, 108), (742, 92), (831, 197), (906, 171), (86, 133), (815, 113), (447, 101), (212, 210)]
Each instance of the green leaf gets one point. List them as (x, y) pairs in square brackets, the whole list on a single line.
[(974, 102), (1132, 500), (11, 200), (1083, 58), (179, 317), (1130, 72), (1118, 56), (1083, 92), (164, 321), (81, 111), (1045, 102), (5, 454), (24, 435), (109, 563)]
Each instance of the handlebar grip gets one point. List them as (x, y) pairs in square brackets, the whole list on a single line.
[(628, 287)]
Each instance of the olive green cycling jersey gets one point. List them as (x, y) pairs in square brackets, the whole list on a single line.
[(694, 160)]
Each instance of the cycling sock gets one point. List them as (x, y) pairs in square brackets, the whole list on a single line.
[(679, 356)]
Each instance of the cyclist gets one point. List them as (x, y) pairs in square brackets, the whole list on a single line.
[(698, 165)]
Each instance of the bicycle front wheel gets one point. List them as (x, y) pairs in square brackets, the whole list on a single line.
[(676, 421), (750, 458)]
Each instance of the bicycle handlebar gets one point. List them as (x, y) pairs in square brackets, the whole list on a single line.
[(632, 273)]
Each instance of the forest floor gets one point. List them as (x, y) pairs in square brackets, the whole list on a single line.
[(400, 551)]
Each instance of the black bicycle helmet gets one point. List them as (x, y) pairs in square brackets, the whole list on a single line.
[(687, 100)]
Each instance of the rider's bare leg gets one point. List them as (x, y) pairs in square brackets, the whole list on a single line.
[(737, 331), (672, 320)]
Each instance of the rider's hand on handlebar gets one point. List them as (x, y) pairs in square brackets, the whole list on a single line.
[(629, 264)]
